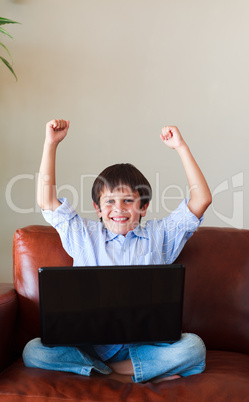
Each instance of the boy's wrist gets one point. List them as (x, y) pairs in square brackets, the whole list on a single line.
[(50, 145), (182, 147)]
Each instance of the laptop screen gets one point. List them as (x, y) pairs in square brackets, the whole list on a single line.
[(109, 305)]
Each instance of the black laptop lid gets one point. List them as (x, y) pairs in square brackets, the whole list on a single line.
[(110, 305)]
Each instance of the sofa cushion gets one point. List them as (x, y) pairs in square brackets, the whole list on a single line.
[(225, 379)]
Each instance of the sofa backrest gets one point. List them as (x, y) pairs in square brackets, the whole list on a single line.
[(216, 299), (216, 302), (33, 247)]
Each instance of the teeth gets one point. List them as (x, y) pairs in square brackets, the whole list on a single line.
[(119, 219)]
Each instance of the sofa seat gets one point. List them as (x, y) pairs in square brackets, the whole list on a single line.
[(219, 382)]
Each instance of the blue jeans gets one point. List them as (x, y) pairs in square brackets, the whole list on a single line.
[(185, 357)]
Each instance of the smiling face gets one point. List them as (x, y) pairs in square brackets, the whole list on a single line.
[(120, 209)]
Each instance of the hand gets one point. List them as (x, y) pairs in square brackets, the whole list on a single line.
[(200, 195), (171, 136), (56, 131)]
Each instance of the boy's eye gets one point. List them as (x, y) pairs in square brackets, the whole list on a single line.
[(109, 201), (128, 200)]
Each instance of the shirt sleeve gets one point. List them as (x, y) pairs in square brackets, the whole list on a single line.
[(179, 227), (69, 225)]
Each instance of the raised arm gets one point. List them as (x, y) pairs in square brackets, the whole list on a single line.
[(56, 130), (200, 195)]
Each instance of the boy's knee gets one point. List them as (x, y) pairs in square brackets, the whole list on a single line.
[(30, 352), (197, 347)]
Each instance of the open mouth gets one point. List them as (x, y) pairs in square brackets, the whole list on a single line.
[(119, 220)]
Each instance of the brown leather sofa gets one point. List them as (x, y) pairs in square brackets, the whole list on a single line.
[(216, 307)]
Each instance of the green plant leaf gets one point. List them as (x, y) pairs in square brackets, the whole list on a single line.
[(5, 33), (9, 66), (7, 21), (1, 44)]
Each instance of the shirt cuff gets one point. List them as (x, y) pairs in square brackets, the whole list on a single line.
[(64, 212), (184, 218)]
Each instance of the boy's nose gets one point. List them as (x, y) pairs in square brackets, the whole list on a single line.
[(119, 206)]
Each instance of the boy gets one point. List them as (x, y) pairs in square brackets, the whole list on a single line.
[(121, 196)]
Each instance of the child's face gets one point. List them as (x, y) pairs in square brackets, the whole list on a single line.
[(120, 209)]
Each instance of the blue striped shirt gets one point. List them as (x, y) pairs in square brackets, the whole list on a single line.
[(89, 243)]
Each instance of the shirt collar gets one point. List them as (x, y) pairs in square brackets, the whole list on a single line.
[(139, 231)]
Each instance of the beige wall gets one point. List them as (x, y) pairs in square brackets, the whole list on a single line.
[(120, 70)]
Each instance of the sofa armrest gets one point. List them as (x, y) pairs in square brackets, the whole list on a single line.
[(8, 316)]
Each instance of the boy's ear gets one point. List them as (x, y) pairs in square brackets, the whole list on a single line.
[(97, 209), (143, 210)]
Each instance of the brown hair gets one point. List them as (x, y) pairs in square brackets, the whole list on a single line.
[(119, 175)]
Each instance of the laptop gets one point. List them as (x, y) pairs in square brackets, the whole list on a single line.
[(111, 304)]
